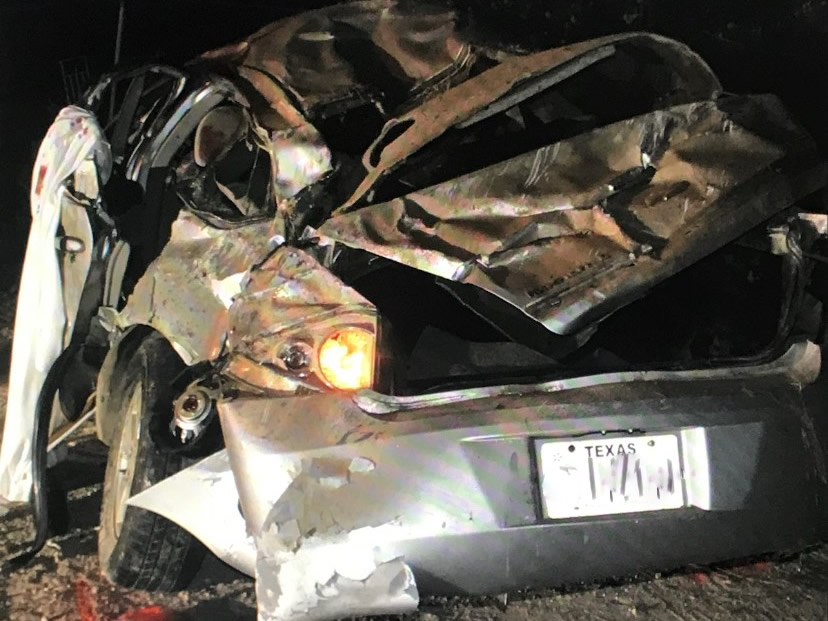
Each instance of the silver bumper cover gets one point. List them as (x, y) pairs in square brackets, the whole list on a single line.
[(346, 508)]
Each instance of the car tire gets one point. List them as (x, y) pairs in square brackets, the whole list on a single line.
[(137, 548)]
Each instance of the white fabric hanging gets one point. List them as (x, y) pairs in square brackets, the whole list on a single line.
[(74, 137)]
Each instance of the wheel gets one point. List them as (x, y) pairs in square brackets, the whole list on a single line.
[(137, 548)]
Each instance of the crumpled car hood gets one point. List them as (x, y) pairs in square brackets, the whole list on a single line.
[(572, 231), (567, 233)]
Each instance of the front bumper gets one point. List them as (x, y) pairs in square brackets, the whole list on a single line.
[(452, 489), (354, 512)]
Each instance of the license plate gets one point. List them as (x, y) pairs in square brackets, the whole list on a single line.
[(609, 476)]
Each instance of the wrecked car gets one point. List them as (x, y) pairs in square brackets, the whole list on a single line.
[(371, 308)]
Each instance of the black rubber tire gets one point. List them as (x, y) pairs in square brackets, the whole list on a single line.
[(148, 551)]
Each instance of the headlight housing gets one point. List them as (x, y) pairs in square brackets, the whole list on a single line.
[(297, 328), (346, 358)]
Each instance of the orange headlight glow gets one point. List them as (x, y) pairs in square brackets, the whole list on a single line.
[(346, 359)]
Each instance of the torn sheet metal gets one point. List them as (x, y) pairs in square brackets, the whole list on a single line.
[(574, 230), (313, 561), (298, 158), (690, 79), (291, 301), (322, 56), (329, 576), (362, 467), (326, 580), (186, 292), (322, 551), (211, 511), (42, 313), (332, 518)]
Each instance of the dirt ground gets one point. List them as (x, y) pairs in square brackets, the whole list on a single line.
[(63, 581)]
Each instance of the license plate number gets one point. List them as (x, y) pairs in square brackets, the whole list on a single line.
[(609, 476)]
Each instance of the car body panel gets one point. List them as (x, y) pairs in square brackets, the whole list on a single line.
[(290, 302), (450, 486), (570, 232), (371, 498), (627, 205), (600, 204), (517, 77), (210, 490), (186, 292), (379, 49)]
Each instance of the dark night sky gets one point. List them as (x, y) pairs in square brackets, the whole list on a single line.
[(779, 46)]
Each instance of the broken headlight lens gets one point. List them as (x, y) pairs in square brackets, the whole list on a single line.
[(346, 359)]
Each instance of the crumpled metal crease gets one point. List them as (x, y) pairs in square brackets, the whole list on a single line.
[(187, 290), (291, 296), (566, 233), (319, 556), (299, 158), (546, 230), (690, 80), (330, 581), (319, 577), (800, 364), (304, 52)]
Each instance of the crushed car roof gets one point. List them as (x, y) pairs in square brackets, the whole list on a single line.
[(381, 50)]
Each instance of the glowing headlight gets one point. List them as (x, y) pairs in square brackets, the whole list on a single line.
[(346, 359)]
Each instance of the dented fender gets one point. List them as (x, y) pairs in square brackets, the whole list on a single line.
[(186, 292)]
